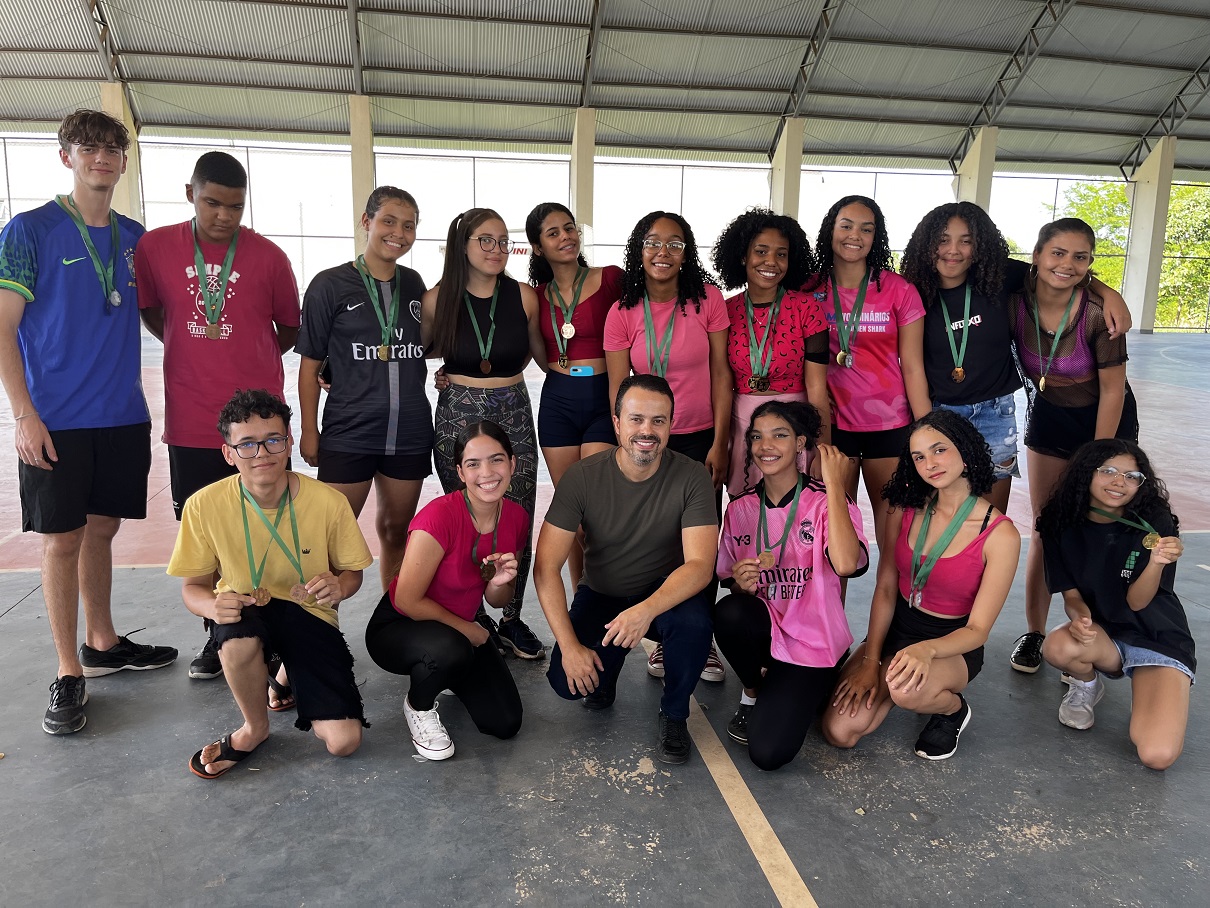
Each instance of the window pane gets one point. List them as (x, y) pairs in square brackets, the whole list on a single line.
[(623, 193), (300, 193), (820, 188), (715, 195), (442, 187)]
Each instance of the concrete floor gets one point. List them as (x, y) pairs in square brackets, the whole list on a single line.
[(574, 811)]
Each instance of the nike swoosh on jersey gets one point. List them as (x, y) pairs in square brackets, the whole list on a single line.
[(73, 261), (352, 306)]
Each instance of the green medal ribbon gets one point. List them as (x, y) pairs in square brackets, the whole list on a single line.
[(922, 566), (568, 311), (385, 320), (495, 532), (213, 301), (846, 329), (760, 355), (294, 557), (1152, 537), (762, 526), (485, 350), (1054, 344), (105, 270), (959, 354), (657, 353)]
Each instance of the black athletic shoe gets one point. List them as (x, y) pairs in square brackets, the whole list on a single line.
[(737, 728), (206, 664), (124, 654), (524, 643), (939, 740), (1027, 652), (602, 697), (673, 746), (65, 715), (493, 634)]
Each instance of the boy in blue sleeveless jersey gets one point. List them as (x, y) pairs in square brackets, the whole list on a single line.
[(69, 363)]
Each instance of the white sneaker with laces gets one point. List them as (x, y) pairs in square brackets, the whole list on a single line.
[(655, 662), (1076, 710), (714, 670), (429, 736)]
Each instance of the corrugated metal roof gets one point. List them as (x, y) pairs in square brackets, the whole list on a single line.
[(819, 104), (402, 117), (471, 88), (895, 71), (724, 17), (764, 102), (685, 130), (1133, 35), (577, 12), (823, 136), (204, 71), (76, 65), (48, 24), (925, 22), (1066, 83), (687, 61), (1074, 119), (45, 100), (1062, 146), (255, 109)]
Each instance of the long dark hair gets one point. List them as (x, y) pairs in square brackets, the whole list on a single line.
[(907, 489), (692, 278), (454, 276), (879, 258), (1066, 225), (731, 250), (1068, 504), (803, 418), (989, 251), (474, 430), (539, 269)]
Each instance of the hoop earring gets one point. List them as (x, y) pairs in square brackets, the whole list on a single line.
[(1033, 272), (1087, 282)]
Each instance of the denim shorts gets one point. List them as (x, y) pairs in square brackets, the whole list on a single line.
[(1138, 656), (996, 420)]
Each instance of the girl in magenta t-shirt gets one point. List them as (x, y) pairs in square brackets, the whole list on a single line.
[(462, 549), (784, 548), (876, 373), (767, 253)]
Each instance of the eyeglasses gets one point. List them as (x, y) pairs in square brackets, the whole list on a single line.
[(1134, 477), (676, 247), (274, 444), (488, 243)]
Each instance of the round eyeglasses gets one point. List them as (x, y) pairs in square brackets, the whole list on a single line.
[(488, 243), (274, 444)]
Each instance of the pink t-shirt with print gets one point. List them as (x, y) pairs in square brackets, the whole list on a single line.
[(800, 317)]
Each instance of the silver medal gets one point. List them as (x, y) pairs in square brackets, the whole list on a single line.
[(115, 298)]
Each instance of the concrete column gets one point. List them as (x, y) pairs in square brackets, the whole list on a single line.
[(361, 138), (128, 196), (786, 177), (583, 157), (1149, 195), (973, 181)]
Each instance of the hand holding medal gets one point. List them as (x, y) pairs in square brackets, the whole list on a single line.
[(499, 569), (746, 574)]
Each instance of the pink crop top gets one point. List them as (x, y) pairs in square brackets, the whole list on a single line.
[(954, 582), (589, 318)]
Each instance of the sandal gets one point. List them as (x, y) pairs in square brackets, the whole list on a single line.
[(283, 693), (225, 752)]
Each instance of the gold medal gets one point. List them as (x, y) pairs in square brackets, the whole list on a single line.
[(1042, 383), (568, 330), (765, 560), (299, 594), (1151, 540), (959, 374), (753, 383), (487, 570), (840, 357), (214, 332), (261, 595), (384, 352), (485, 367)]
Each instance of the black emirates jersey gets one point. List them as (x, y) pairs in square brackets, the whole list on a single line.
[(374, 407)]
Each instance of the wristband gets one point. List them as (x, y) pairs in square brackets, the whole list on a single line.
[(25, 416)]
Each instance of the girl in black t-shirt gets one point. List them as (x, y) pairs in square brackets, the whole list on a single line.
[(1111, 546)]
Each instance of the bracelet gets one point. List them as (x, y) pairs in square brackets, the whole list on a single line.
[(867, 659), (25, 416)]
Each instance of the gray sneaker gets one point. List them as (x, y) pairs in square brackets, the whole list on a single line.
[(1076, 710), (65, 715)]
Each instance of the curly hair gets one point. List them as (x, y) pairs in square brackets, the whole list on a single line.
[(539, 269), (802, 417), (1068, 504), (989, 251), (692, 279), (243, 405), (879, 258), (907, 489), (731, 251)]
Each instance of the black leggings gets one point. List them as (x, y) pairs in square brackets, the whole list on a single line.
[(437, 656), (789, 696)]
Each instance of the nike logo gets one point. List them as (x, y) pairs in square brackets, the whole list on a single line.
[(352, 307), (73, 261)]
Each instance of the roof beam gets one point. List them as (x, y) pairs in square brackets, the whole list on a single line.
[(806, 69), (355, 48), (1030, 48), (1196, 87), (590, 57), (100, 36)]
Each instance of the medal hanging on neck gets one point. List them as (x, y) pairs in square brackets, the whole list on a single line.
[(565, 332), (105, 270), (1150, 541), (846, 328), (486, 568), (958, 353), (485, 350), (1054, 344), (255, 571), (212, 301), (386, 321), (657, 352), (760, 355), (922, 565), (766, 559)]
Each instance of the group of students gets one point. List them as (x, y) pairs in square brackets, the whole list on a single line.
[(823, 366)]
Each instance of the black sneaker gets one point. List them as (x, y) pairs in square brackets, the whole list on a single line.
[(737, 728), (673, 746), (1027, 652), (206, 664), (65, 715), (939, 740), (524, 643), (603, 696), (124, 654), (493, 633)]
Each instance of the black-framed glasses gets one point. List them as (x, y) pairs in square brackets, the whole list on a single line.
[(676, 247), (488, 243), (1134, 477), (274, 444)]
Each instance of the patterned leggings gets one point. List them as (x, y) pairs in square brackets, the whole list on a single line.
[(459, 406)]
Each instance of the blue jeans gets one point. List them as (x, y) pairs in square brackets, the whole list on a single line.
[(685, 631), (996, 420)]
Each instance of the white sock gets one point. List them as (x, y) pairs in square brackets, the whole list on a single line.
[(745, 700)]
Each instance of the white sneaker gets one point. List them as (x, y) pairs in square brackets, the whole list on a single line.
[(714, 670), (1076, 710), (655, 662), (429, 736)]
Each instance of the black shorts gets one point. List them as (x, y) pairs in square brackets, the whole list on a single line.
[(910, 625), (343, 467), (315, 654), (191, 469), (1060, 431), (871, 445), (575, 411), (99, 471)]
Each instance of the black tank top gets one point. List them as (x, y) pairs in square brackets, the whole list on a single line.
[(510, 346)]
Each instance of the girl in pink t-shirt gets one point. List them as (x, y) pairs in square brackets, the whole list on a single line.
[(876, 373), (784, 548), (943, 576), (462, 549)]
